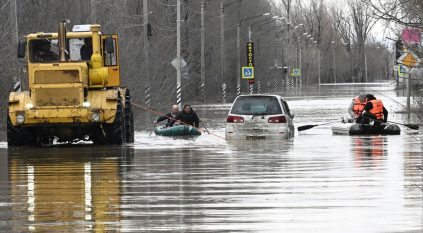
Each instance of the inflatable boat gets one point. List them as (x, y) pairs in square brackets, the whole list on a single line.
[(364, 129), (177, 130)]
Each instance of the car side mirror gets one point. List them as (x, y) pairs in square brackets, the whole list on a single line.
[(292, 115), (21, 48), (109, 44)]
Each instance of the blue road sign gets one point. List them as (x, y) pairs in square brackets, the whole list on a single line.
[(248, 72), (402, 71), (296, 72)]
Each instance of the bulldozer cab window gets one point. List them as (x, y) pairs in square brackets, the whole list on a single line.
[(44, 50), (80, 49), (110, 59)]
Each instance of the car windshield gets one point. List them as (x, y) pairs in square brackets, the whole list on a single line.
[(256, 105)]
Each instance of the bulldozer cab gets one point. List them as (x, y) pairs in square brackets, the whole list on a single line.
[(79, 48)]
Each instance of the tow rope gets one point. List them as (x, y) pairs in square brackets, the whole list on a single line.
[(170, 118)]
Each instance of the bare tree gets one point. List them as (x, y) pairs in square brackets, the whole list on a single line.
[(403, 12), (353, 26)]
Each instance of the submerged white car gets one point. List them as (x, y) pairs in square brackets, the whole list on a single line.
[(259, 117)]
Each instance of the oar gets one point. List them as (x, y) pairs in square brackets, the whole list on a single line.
[(411, 126), (154, 126), (205, 127), (306, 127)]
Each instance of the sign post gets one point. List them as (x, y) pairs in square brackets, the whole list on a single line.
[(250, 63)]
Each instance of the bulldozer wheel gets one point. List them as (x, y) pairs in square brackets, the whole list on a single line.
[(17, 136), (115, 132), (129, 119)]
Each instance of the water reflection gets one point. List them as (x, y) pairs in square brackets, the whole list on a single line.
[(52, 189), (369, 150), (316, 182)]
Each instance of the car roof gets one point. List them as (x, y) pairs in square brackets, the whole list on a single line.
[(277, 96)]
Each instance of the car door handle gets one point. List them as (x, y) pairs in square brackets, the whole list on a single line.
[(115, 69)]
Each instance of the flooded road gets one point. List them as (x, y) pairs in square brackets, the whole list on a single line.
[(316, 182)]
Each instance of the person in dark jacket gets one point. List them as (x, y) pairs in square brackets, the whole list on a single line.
[(87, 49), (370, 113), (170, 117), (188, 116)]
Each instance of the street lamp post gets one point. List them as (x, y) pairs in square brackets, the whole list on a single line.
[(203, 75), (238, 59), (365, 63), (318, 60), (222, 52), (334, 61), (178, 54)]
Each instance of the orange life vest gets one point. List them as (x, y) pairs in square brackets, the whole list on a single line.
[(358, 106), (377, 109)]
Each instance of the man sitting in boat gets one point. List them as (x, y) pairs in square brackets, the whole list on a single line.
[(170, 117), (188, 116), (357, 106), (374, 112)]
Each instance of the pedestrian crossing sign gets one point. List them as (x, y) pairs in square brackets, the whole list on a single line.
[(248, 72)]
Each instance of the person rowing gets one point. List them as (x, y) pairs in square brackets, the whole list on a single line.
[(373, 112), (170, 117), (187, 116), (357, 106)]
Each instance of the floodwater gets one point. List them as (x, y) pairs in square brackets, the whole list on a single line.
[(316, 182)]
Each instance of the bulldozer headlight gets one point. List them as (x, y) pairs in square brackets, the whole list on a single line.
[(29, 106), (86, 104), (20, 118), (95, 116)]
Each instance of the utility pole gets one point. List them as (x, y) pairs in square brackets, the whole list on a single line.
[(301, 68), (408, 83), (334, 64), (93, 10), (238, 58), (222, 51), (249, 33), (334, 61), (203, 75), (15, 34), (178, 54), (288, 78), (147, 56), (365, 63), (318, 61)]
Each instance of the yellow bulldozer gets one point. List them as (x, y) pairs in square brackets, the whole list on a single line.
[(74, 90)]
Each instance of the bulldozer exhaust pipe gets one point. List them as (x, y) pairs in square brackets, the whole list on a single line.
[(62, 40)]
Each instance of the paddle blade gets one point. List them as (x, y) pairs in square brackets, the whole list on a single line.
[(411, 126), (305, 127)]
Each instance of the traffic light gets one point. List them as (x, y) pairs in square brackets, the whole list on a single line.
[(399, 50)]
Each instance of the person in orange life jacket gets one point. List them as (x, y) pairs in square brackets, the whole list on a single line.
[(170, 117), (188, 116), (373, 110), (357, 106)]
